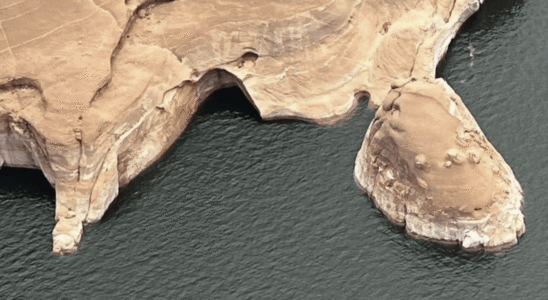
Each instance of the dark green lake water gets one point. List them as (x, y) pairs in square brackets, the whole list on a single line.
[(245, 209)]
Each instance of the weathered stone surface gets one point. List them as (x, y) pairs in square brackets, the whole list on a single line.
[(93, 92), (428, 166)]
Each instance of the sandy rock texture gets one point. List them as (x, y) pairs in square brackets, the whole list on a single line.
[(94, 91), (428, 166)]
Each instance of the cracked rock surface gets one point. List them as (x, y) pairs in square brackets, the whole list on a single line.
[(94, 91)]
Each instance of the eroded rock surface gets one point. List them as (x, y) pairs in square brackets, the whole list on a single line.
[(93, 92), (428, 166)]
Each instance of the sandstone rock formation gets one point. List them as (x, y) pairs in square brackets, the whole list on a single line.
[(428, 166), (93, 91)]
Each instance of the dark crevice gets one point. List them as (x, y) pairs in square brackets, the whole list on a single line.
[(80, 156), (230, 99), (21, 83), (415, 59), (23, 181), (362, 96), (250, 56), (450, 11)]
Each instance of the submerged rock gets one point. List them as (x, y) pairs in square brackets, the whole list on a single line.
[(95, 95)]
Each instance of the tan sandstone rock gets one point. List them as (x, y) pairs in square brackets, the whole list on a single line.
[(446, 179), (93, 92)]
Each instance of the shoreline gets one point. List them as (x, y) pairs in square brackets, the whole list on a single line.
[(92, 134)]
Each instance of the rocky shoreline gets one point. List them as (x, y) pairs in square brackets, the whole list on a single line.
[(96, 95), (400, 188)]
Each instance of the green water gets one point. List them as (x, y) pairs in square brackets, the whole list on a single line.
[(240, 208)]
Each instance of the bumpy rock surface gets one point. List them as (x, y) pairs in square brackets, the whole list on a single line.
[(428, 166), (93, 91)]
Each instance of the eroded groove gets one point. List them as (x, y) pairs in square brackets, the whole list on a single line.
[(21, 83), (123, 37)]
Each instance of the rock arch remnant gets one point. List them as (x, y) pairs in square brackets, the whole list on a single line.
[(95, 95)]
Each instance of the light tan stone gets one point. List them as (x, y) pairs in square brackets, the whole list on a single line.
[(95, 94), (456, 199)]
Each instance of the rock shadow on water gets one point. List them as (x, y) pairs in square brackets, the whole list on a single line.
[(25, 183), (231, 101), (227, 103), (27, 205)]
